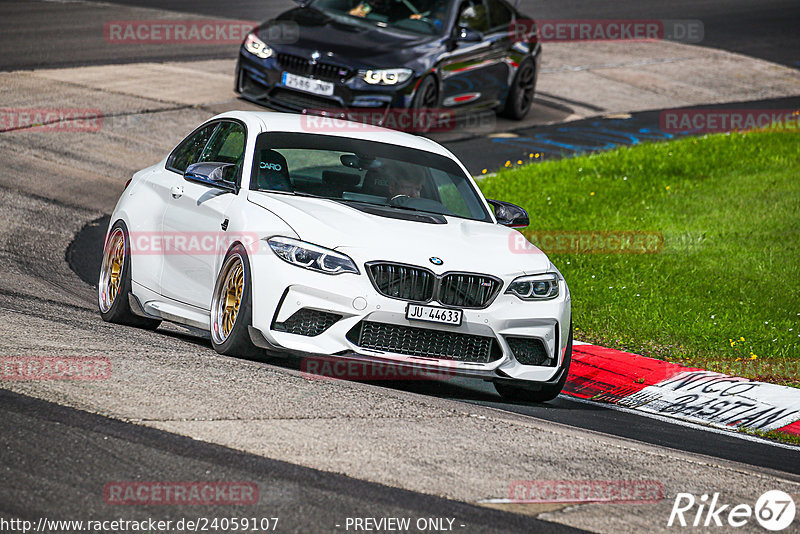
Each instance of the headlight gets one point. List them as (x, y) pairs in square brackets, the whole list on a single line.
[(257, 47), (312, 257), (385, 76), (536, 287)]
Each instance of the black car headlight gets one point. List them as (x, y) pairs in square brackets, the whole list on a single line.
[(385, 76), (535, 287), (309, 256), (257, 47)]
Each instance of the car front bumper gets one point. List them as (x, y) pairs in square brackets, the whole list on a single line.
[(260, 81), (281, 290)]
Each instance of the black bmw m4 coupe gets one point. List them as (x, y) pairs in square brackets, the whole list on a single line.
[(381, 55)]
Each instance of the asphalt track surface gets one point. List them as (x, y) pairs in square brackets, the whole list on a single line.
[(51, 34), (77, 454), (553, 141)]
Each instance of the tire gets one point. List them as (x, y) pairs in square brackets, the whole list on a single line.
[(426, 99), (231, 306), (520, 94), (548, 391), (114, 284), (427, 96)]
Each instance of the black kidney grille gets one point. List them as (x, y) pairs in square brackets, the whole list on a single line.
[(402, 281), (307, 322), (406, 282), (323, 71), (425, 342), (468, 290), (530, 351)]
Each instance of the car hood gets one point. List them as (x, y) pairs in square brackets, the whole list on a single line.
[(462, 244), (353, 44)]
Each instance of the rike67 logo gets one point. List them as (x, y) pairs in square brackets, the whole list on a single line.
[(774, 510)]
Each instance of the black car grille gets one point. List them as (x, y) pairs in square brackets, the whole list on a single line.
[(406, 282), (402, 281), (307, 322), (320, 70), (301, 101), (530, 351), (468, 290), (425, 342)]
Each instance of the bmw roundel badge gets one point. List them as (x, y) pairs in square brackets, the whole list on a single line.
[(436, 261)]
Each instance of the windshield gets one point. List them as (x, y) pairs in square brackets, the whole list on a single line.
[(425, 17), (365, 172)]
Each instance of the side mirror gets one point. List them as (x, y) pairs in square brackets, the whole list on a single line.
[(509, 214), (468, 35), (219, 175)]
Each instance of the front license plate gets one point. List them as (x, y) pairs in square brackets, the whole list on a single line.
[(415, 312), (309, 85)]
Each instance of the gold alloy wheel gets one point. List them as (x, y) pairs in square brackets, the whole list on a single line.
[(111, 271), (228, 299)]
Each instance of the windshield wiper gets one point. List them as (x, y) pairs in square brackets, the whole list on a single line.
[(293, 193), (408, 208)]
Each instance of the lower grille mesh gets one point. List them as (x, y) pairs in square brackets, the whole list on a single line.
[(530, 351), (307, 322), (425, 342)]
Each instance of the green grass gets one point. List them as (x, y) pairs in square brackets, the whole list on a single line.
[(723, 293), (774, 435)]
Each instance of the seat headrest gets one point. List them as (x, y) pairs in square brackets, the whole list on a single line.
[(273, 171)]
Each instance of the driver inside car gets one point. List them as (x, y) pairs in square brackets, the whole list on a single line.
[(399, 9), (402, 183)]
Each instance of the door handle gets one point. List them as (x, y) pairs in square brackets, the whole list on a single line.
[(177, 191)]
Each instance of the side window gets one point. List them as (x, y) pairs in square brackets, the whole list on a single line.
[(189, 150), (226, 145), (500, 15), (473, 15)]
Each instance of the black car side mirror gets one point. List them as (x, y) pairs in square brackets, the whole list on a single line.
[(212, 173), (509, 214), (468, 35)]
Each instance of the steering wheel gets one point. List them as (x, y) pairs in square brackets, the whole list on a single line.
[(399, 199)]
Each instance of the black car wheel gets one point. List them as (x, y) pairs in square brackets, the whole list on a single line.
[(520, 94), (548, 391), (427, 96)]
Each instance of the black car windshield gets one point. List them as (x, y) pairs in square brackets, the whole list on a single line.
[(364, 172), (426, 17)]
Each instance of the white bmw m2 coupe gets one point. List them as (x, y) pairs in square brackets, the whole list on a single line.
[(272, 231)]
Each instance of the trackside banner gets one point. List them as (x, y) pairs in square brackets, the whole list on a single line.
[(690, 394), (720, 400)]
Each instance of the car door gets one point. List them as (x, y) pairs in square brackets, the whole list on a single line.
[(154, 196), (471, 73), (195, 221), (500, 49)]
